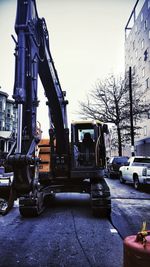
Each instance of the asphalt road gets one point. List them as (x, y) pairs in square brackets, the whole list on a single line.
[(67, 235), (130, 207)]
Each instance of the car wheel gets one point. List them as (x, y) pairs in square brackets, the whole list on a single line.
[(136, 182), (122, 181)]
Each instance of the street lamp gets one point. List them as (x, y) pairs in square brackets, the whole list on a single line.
[(131, 112)]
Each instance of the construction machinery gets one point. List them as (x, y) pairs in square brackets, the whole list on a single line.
[(42, 168)]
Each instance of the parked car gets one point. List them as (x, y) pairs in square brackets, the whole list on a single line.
[(113, 165), (136, 171)]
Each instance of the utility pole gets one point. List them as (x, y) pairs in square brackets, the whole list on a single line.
[(131, 112)]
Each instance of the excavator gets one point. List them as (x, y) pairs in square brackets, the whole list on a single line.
[(43, 167)]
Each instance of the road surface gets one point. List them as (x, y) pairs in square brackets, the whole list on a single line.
[(67, 235)]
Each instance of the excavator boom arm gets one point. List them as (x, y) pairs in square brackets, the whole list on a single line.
[(33, 57)]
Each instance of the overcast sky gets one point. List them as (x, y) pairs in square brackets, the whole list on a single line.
[(86, 41)]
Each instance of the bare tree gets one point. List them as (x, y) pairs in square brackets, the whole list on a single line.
[(109, 102)]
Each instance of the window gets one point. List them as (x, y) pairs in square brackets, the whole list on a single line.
[(148, 3), (147, 83), (141, 16), (143, 72), (2, 145), (142, 44), (81, 133), (145, 54), (138, 131), (1, 105), (145, 24), (139, 62), (145, 130), (142, 160), (136, 53), (7, 128), (144, 101), (148, 114), (137, 79), (4, 105)]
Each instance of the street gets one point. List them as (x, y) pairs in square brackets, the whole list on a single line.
[(74, 94), (66, 234), (130, 208)]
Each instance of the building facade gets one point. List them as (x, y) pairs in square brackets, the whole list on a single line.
[(137, 56), (8, 123), (8, 114)]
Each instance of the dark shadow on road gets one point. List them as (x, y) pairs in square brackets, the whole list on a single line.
[(67, 201)]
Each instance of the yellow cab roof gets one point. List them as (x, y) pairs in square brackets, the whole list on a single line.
[(90, 121)]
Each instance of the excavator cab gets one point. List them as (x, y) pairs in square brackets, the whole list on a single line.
[(88, 145)]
